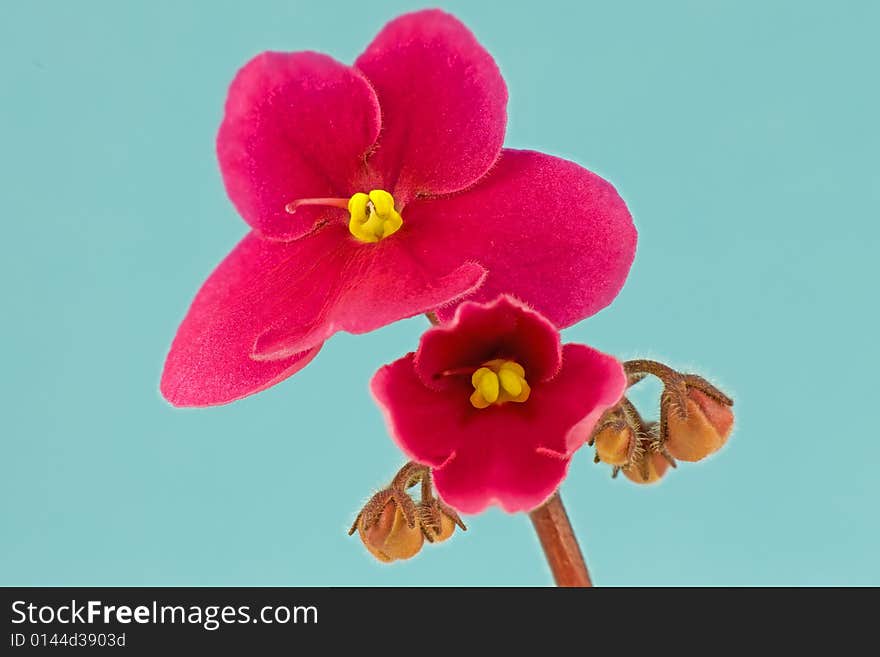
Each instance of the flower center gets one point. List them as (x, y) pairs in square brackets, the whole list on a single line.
[(497, 382), (373, 216)]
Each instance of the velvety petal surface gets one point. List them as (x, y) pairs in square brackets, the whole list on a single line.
[(425, 423), (519, 458), (504, 328), (568, 406), (297, 125), (514, 455), (549, 232), (269, 302), (477, 462), (210, 359), (493, 472), (443, 105), (358, 287)]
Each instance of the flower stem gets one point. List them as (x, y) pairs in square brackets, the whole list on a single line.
[(560, 545)]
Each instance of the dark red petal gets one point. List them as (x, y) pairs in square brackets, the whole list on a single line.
[(515, 454), (549, 232), (443, 105), (568, 406), (425, 424), (504, 328), (492, 472), (297, 125)]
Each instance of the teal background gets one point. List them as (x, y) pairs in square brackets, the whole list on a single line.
[(744, 137)]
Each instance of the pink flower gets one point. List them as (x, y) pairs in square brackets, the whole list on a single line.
[(495, 405), (380, 191)]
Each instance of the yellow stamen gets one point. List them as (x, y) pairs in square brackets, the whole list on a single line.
[(497, 382), (373, 216)]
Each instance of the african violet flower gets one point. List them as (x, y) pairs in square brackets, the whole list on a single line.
[(380, 191), (496, 405)]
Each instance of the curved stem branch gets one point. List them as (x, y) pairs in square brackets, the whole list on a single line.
[(560, 545)]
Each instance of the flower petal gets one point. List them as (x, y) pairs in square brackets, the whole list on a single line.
[(443, 104), (549, 232), (491, 472), (297, 125), (514, 455), (210, 359), (425, 424), (518, 458), (478, 333), (589, 383), (361, 287)]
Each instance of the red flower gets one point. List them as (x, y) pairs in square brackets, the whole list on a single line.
[(496, 405), (378, 192)]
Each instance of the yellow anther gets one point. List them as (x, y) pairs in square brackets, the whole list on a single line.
[(512, 366), (497, 382), (511, 383), (488, 387), (373, 216)]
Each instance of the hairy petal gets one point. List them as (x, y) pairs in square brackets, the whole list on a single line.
[(297, 125), (518, 458), (549, 232), (443, 103), (513, 455), (358, 288), (571, 403), (210, 359), (425, 424), (493, 472), (504, 328)]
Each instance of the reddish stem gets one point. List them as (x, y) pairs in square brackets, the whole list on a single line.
[(560, 545)]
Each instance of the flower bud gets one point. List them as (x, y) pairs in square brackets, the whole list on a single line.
[(438, 520), (389, 537), (445, 529), (648, 468), (704, 431), (614, 443)]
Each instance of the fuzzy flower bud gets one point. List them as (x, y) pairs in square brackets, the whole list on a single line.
[(704, 430), (614, 444), (389, 537), (438, 521), (648, 468)]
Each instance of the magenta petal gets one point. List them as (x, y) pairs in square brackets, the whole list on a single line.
[(210, 359), (549, 232), (568, 406), (504, 328), (443, 105), (359, 288), (297, 125), (516, 479), (516, 455), (424, 423)]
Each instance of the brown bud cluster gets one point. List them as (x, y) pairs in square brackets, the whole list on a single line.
[(696, 419), (393, 527)]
